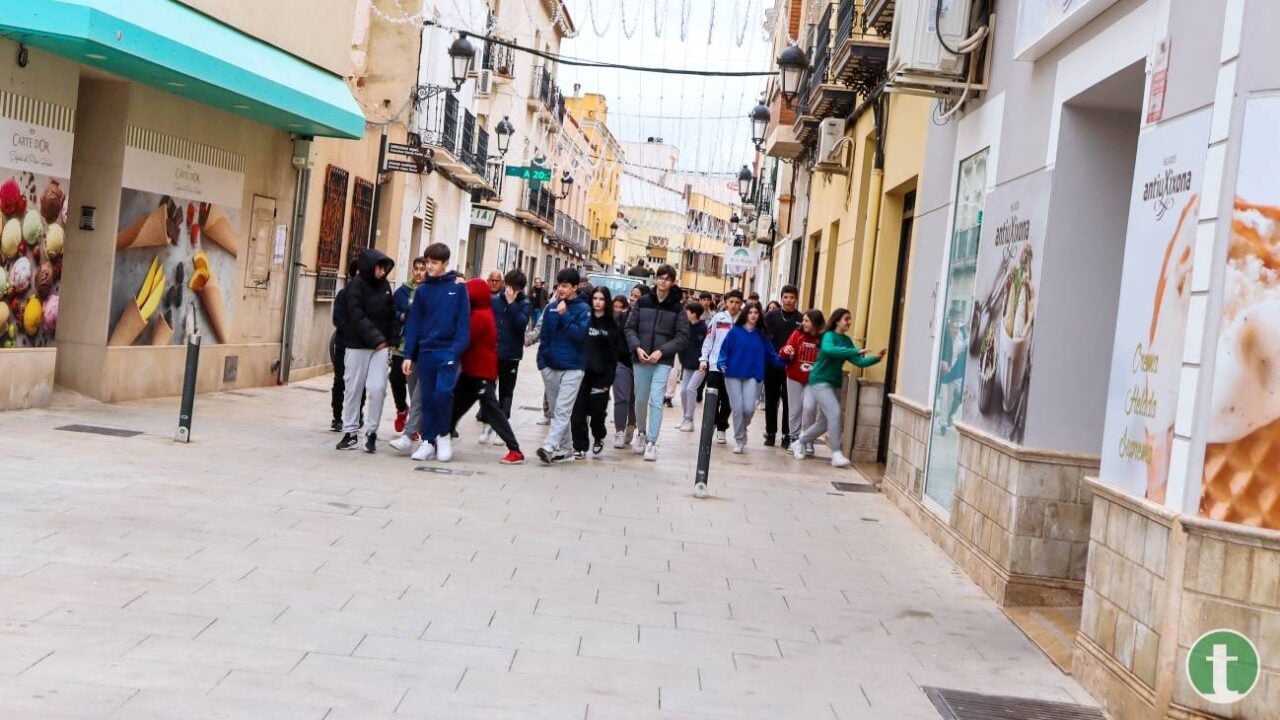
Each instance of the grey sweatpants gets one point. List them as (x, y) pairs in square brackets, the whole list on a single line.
[(366, 371), (742, 401), (689, 392), (624, 397), (414, 423), (562, 392), (798, 415), (823, 398)]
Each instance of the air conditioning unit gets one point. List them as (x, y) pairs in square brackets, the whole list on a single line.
[(830, 133), (484, 83), (916, 57)]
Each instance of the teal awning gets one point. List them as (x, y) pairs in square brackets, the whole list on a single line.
[(179, 50)]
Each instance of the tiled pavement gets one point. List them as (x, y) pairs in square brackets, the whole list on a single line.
[(258, 573)]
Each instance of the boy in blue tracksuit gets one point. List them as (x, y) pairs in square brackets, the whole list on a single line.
[(562, 358), (438, 332)]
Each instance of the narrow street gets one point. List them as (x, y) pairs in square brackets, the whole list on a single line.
[(258, 573)]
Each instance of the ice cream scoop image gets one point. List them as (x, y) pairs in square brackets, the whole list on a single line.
[(20, 275), (10, 197), (44, 278), (4, 281), (51, 314), (32, 227), (52, 201), (10, 237), (54, 240), (32, 316), (4, 318)]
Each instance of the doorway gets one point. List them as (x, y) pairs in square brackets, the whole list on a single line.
[(895, 321), (815, 267)]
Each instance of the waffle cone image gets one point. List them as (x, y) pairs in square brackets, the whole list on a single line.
[(217, 230), (146, 231), (128, 327), (214, 308), (161, 331), (1242, 479)]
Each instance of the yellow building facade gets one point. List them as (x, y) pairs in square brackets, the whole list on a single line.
[(857, 247), (592, 113)]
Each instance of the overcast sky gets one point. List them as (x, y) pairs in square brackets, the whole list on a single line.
[(705, 117)]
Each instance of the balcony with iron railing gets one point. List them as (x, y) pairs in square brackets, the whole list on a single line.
[(461, 146), (545, 97), (500, 59), (571, 232), (538, 207), (860, 49)]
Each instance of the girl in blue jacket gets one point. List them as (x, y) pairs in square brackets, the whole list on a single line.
[(742, 357)]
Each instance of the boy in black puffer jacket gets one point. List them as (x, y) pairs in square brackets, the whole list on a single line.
[(370, 329)]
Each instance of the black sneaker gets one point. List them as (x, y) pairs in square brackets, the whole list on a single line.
[(349, 441), (770, 441), (562, 456), (786, 442), (579, 454), (598, 447), (545, 456), (666, 402), (336, 425), (371, 443)]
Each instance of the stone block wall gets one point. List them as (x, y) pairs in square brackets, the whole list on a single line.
[(1231, 580), (908, 446), (868, 414), (1126, 598), (1028, 513), (1156, 582)]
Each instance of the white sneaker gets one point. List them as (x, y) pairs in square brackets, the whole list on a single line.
[(619, 440), (638, 445), (544, 420), (797, 451), (838, 459), (486, 436), (808, 449), (686, 426), (495, 440), (444, 448), (424, 452), (720, 438), (738, 448), (404, 443), (651, 452), (700, 490)]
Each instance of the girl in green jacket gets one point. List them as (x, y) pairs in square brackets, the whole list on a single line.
[(825, 379)]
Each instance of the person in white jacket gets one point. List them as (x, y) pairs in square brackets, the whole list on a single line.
[(717, 330)]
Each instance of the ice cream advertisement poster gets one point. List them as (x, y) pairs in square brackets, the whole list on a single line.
[(1155, 294), (1002, 326), (35, 163), (1241, 481), (176, 248)]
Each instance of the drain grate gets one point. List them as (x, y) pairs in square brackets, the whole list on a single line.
[(960, 705), (97, 430), (443, 470), (854, 487)]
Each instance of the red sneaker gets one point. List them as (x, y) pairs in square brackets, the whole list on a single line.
[(514, 457), (401, 417)]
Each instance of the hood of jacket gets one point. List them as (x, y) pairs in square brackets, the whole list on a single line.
[(370, 259), (478, 293)]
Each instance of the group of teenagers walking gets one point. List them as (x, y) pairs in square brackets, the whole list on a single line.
[(445, 344)]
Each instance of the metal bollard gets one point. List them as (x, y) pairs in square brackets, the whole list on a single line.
[(710, 403), (189, 388)]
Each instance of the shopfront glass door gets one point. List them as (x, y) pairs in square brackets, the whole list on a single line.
[(957, 308)]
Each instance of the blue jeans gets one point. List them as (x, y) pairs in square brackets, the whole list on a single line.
[(437, 373), (651, 382), (537, 316)]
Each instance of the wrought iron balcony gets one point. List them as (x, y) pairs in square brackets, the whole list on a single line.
[(571, 232), (438, 120), (861, 52), (500, 59), (879, 15), (545, 96), (538, 207)]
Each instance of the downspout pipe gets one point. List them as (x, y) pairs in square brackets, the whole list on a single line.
[(870, 233), (302, 179)]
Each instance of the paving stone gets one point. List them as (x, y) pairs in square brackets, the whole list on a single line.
[(276, 578)]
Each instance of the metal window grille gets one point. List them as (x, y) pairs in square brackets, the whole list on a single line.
[(361, 218)]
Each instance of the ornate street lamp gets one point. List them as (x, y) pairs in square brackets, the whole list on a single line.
[(566, 184), (462, 53), (791, 65), (613, 230), (504, 131), (745, 179), (760, 117)]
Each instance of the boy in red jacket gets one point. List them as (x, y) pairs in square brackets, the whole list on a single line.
[(480, 372)]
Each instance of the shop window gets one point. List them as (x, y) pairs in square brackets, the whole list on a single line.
[(361, 218), (332, 215)]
